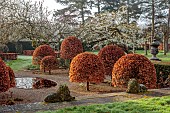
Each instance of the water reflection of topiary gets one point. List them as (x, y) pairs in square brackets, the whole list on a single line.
[(49, 63), (4, 77), (134, 66), (109, 55), (86, 67), (40, 52)]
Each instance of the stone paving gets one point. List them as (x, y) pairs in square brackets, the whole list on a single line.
[(82, 100)]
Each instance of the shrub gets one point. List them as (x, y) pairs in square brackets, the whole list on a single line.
[(70, 47), (4, 77), (49, 63), (86, 67), (162, 72), (11, 76), (40, 52), (134, 66), (109, 55), (33, 67), (133, 86)]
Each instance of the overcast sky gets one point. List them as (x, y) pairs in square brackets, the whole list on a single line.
[(51, 4)]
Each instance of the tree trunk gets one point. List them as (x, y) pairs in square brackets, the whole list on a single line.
[(44, 69), (153, 22), (82, 14), (168, 27), (87, 87), (50, 72), (98, 6), (146, 52), (128, 12), (133, 48), (165, 44)]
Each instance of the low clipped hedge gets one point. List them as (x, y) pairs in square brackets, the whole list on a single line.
[(162, 73)]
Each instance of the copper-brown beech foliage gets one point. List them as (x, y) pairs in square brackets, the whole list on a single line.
[(86, 67), (49, 63), (4, 77), (11, 76), (109, 55), (40, 52), (70, 47), (134, 66)]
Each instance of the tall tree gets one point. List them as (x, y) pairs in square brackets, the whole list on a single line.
[(110, 27), (81, 7)]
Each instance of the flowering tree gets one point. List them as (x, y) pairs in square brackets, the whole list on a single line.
[(86, 67), (24, 19), (109, 55), (110, 27), (134, 66)]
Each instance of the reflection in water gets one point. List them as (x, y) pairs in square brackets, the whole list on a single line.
[(26, 83), (34, 83)]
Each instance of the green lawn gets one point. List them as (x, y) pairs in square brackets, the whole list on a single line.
[(160, 55), (24, 61), (148, 105), (21, 62)]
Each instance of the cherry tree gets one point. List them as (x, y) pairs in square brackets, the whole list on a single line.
[(105, 28)]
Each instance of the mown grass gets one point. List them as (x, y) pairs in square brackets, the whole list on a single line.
[(25, 61), (160, 55), (147, 105), (21, 62)]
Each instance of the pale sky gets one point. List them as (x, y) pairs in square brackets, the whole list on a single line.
[(51, 4)]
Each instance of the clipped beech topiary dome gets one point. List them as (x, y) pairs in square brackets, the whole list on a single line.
[(109, 55), (4, 77), (11, 76), (134, 66), (70, 47), (49, 63), (86, 67), (40, 52)]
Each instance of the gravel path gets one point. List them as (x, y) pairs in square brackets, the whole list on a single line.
[(81, 100)]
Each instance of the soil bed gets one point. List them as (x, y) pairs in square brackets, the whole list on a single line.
[(22, 96)]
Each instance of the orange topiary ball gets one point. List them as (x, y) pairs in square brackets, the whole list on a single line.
[(11, 76), (70, 47), (86, 67), (134, 66), (4, 77), (109, 55), (49, 63), (40, 52)]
